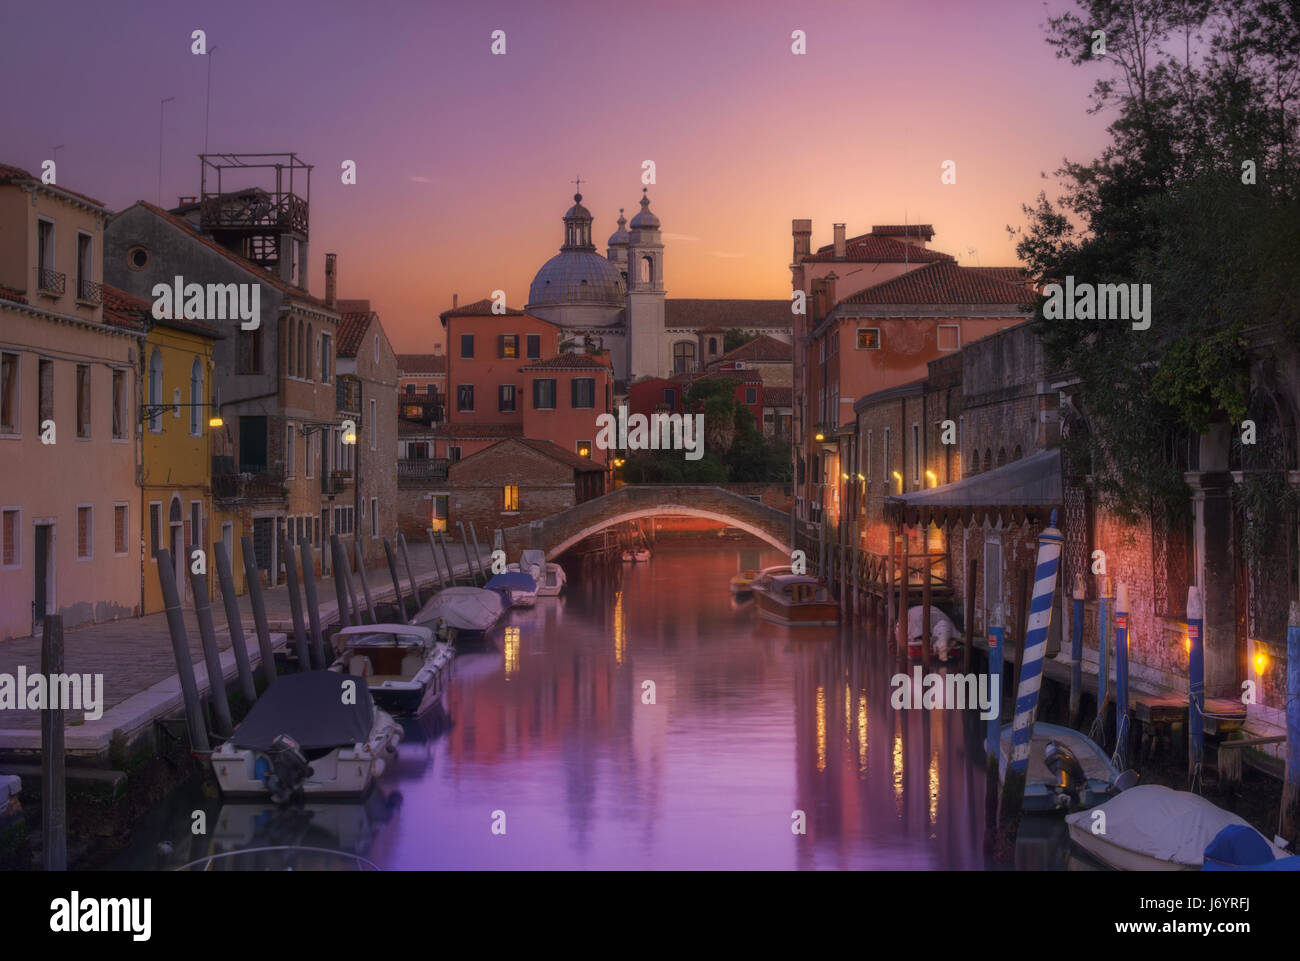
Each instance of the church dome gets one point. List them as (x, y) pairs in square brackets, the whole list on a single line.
[(620, 237), (645, 220), (577, 277)]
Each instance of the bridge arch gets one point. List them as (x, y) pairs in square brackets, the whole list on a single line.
[(632, 515)]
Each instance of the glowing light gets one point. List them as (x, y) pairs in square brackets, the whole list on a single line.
[(620, 628), (862, 734), (845, 476), (512, 652), (898, 477), (1261, 662), (932, 478), (820, 437), (584, 451), (934, 787), (821, 729), (898, 772), (216, 421), (1187, 644), (350, 437)]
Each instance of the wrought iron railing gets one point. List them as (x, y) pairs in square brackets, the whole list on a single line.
[(418, 469), (335, 482), (51, 282), (256, 484), (90, 292)]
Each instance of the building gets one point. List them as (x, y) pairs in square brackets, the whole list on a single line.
[(422, 385), (366, 360), (773, 359), (69, 504), (563, 397)]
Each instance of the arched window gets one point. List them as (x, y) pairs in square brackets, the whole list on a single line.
[(974, 462), (196, 398), (155, 389), (310, 350), (713, 345), (1017, 455), (683, 356), (1002, 456), (988, 459), (647, 270)]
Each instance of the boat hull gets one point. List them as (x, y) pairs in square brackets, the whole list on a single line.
[(812, 614)]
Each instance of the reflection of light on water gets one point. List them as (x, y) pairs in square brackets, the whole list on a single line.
[(821, 729), (898, 772), (848, 713), (934, 787), (620, 628), (862, 734), (512, 652)]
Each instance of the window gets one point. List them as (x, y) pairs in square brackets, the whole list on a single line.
[(249, 344), (291, 337), (453, 454), (916, 454), (46, 392), (119, 530), (11, 555), (508, 345), (85, 533), (155, 523), (85, 266), (9, 423), (137, 258), (196, 398), (119, 404), (374, 423), (506, 397), (544, 393), (583, 447), (465, 397), (584, 393), (374, 517), (44, 252), (949, 337), (309, 455), (376, 342), (438, 513), (196, 524), (326, 358), (888, 454), (511, 502), (713, 345), (751, 395), (670, 397), (683, 356), (647, 270), (228, 539), (290, 451), (83, 400), (868, 338), (467, 345), (534, 346), (867, 467)]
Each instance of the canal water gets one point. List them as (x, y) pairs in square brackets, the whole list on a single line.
[(646, 720)]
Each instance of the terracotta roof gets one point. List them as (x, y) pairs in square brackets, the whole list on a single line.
[(353, 325), (1011, 275), (873, 249), (9, 173), (902, 230), (421, 364), (724, 314), (479, 431), (264, 276), (127, 310), (943, 283), (12, 293), (557, 452), (762, 349), (571, 361), (778, 396), (480, 308)]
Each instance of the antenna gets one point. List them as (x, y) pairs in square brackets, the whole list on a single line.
[(162, 106)]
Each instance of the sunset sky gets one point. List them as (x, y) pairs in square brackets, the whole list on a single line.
[(465, 159)]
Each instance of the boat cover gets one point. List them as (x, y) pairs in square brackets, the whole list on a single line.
[(1165, 824), (512, 581), (1096, 765), (1237, 847), (464, 608), (309, 708), (531, 558)]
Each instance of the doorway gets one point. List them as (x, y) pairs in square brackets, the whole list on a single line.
[(43, 591)]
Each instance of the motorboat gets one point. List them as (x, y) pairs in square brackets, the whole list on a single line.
[(1068, 771), (1154, 828), (795, 600), (945, 640), (405, 666), (309, 734), (637, 555), (743, 582), (469, 612), (550, 577), (516, 589)]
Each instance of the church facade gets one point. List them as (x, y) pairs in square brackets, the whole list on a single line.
[(618, 302)]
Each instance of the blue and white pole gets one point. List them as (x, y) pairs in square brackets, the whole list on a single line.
[(1076, 651), (1195, 684), (1050, 542), (1120, 758), (1098, 730)]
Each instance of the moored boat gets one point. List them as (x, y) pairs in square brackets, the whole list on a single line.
[(795, 600), (308, 734), (550, 577), (1068, 771), (743, 582), (468, 611), (637, 555), (516, 588), (405, 667)]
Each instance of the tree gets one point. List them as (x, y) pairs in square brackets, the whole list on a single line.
[(735, 338)]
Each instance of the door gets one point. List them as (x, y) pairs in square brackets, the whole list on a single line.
[(41, 596)]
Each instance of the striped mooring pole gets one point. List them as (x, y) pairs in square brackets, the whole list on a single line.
[(1120, 757), (1050, 542), (1098, 730), (1195, 685), (993, 741), (1289, 826), (1076, 651)]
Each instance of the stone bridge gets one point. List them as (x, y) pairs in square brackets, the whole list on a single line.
[(557, 533)]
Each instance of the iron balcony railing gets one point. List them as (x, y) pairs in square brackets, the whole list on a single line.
[(417, 470), (253, 483), (90, 292), (335, 482), (347, 394), (51, 282)]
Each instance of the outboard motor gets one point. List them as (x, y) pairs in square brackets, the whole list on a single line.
[(288, 771), (1071, 782)]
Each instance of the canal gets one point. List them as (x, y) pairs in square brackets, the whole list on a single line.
[(647, 720)]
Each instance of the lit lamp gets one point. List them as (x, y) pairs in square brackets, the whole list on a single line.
[(584, 451), (618, 462), (932, 478), (898, 477), (1261, 661), (216, 421), (820, 437)]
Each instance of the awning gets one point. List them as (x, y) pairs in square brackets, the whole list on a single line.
[(1025, 490)]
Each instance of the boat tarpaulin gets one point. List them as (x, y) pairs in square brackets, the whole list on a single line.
[(310, 708), (1026, 488), (511, 581)]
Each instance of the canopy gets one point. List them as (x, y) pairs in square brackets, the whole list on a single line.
[(309, 708), (1026, 489)]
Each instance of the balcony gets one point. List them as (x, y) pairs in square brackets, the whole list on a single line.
[(347, 394), (251, 484), (51, 282), (421, 471), (335, 482), (89, 292)]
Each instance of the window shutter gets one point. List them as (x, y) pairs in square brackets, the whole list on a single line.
[(501, 345), (574, 399)]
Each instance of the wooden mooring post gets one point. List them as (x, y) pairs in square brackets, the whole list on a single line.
[(365, 581), (181, 652), (993, 741), (295, 606), (1120, 757), (397, 587), (54, 795), (1079, 593), (1196, 685), (410, 573), (904, 599), (888, 586), (234, 622), (446, 556), (211, 656), (340, 585), (313, 605), (254, 585)]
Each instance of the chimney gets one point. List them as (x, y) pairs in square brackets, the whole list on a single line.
[(841, 249), (331, 279), (801, 230), (455, 301), (830, 291)]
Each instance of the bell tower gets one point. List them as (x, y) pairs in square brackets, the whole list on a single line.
[(645, 295)]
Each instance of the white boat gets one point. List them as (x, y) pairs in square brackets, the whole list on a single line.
[(637, 556), (550, 578), (405, 667), (1067, 771), (516, 588), (308, 734), (469, 611), (1154, 828), (945, 639)]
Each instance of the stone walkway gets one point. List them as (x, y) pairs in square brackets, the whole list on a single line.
[(135, 656)]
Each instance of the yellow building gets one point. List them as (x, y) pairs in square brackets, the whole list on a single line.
[(176, 454)]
